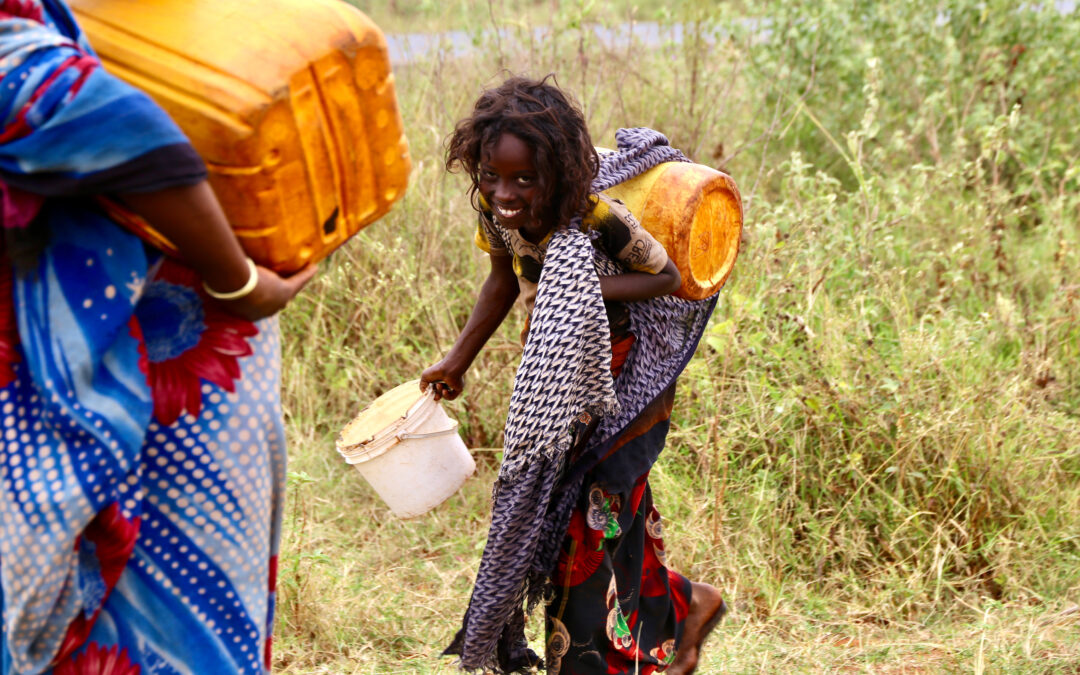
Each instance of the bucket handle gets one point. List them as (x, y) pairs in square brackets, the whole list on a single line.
[(430, 434)]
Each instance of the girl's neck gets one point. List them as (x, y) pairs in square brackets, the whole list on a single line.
[(534, 234)]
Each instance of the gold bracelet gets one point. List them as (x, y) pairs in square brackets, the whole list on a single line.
[(246, 289)]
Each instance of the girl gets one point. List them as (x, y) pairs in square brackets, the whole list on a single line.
[(572, 514)]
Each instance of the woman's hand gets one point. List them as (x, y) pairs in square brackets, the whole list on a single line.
[(445, 378), (271, 293)]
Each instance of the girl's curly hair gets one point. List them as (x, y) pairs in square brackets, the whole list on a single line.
[(543, 116)]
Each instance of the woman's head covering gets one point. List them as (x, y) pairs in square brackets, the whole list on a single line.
[(68, 128)]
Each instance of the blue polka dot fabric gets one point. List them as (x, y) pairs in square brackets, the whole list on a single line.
[(142, 465), (142, 457)]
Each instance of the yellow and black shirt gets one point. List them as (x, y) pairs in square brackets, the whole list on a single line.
[(620, 236)]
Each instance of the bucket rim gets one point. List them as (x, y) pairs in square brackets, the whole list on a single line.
[(370, 452), (387, 434)]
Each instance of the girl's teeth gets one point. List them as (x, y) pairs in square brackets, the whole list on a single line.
[(507, 213)]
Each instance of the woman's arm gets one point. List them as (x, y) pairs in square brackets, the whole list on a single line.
[(191, 218), (633, 286), (497, 296)]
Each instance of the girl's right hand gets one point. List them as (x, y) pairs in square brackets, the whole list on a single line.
[(446, 380)]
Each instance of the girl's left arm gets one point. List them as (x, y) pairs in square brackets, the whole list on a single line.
[(633, 286)]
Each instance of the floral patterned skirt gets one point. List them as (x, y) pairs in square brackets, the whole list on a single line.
[(616, 608)]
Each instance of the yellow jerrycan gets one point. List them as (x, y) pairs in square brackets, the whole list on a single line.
[(696, 213), (291, 103)]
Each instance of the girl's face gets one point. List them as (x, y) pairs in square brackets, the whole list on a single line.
[(510, 184)]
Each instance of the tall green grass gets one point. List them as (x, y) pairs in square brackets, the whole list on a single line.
[(876, 450)]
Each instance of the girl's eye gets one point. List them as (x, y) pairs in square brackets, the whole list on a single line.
[(525, 180)]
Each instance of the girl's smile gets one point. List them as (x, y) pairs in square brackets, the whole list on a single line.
[(510, 184)]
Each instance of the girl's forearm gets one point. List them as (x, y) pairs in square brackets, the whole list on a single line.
[(633, 286), (496, 298)]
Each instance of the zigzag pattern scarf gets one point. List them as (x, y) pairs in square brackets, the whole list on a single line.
[(564, 375)]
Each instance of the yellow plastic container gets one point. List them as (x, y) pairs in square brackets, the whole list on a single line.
[(696, 213), (291, 103)]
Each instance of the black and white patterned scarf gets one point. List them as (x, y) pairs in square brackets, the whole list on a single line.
[(565, 376)]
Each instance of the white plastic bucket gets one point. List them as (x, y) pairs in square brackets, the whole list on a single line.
[(408, 449)]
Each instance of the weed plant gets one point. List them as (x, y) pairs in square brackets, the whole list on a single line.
[(876, 450)]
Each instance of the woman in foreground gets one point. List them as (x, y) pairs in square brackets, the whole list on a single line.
[(143, 464)]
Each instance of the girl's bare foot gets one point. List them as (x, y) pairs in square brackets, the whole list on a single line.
[(706, 609)]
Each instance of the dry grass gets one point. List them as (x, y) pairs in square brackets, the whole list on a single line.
[(384, 596), (875, 451)]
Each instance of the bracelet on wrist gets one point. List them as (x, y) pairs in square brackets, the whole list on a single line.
[(246, 289)]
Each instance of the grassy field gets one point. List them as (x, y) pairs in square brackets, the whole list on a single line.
[(875, 452)]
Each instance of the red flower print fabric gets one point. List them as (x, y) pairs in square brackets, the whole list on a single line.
[(616, 609), (189, 338), (9, 331), (98, 660)]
